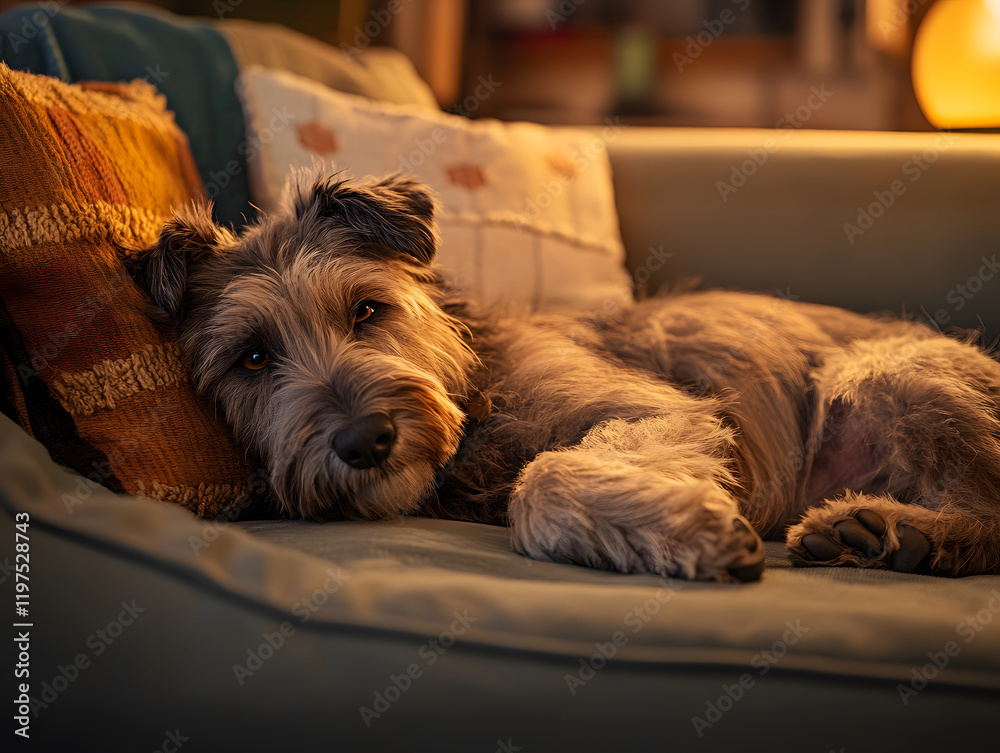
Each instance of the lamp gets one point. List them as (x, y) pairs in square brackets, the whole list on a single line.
[(956, 64)]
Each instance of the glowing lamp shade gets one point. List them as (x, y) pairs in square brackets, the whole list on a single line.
[(956, 64)]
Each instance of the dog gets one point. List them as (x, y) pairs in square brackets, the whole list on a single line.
[(667, 437)]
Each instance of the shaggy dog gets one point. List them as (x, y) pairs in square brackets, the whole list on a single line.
[(662, 439)]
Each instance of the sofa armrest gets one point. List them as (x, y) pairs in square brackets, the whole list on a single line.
[(870, 221)]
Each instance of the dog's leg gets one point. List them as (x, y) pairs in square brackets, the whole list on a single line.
[(638, 496), (915, 421)]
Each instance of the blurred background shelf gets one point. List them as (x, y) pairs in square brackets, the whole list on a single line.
[(749, 63)]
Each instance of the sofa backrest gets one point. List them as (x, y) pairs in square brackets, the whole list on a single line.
[(870, 221)]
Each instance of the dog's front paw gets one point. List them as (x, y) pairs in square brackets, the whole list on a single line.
[(617, 517), (851, 533)]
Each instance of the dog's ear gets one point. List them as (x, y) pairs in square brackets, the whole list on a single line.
[(396, 212), (162, 270)]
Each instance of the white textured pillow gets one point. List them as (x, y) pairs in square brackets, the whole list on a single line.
[(527, 212)]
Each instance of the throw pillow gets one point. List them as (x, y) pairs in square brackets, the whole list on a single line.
[(91, 173), (527, 212)]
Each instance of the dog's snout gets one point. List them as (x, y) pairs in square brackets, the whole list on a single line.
[(367, 442)]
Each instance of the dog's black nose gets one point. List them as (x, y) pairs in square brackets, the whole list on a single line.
[(367, 442)]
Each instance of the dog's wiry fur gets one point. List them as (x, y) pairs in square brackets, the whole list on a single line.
[(661, 439)]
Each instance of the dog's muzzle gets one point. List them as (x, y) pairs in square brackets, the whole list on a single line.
[(367, 442)]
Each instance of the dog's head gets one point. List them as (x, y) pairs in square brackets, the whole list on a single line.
[(319, 334)]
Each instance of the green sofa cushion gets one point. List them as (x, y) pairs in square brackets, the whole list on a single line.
[(433, 635)]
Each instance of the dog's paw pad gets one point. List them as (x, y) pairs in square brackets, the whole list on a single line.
[(913, 553), (750, 565), (820, 548), (861, 541), (859, 537), (872, 521)]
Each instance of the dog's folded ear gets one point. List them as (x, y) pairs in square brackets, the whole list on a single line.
[(162, 270), (396, 212)]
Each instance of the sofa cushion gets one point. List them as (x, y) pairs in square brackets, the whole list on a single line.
[(527, 213), (373, 635), (98, 169)]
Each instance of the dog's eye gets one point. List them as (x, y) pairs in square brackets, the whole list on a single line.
[(255, 360), (365, 311)]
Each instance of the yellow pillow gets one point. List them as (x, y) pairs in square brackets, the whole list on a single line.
[(90, 173)]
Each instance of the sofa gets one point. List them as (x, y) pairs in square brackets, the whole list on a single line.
[(233, 629)]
